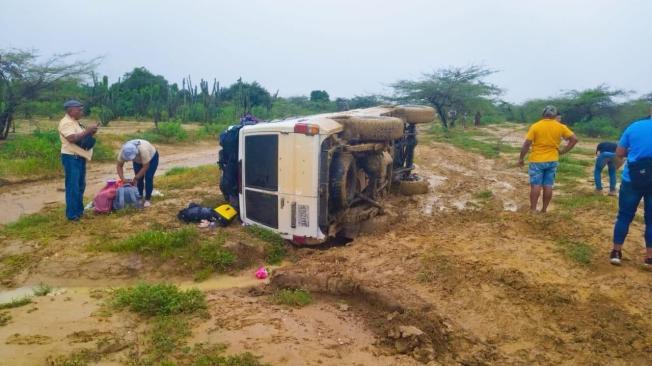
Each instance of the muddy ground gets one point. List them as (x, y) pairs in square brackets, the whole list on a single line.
[(461, 275)]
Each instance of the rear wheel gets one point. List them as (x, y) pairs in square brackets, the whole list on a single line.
[(415, 113), (343, 182)]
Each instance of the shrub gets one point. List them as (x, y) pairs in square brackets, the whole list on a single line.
[(159, 299), (156, 241), (297, 298), (597, 127)]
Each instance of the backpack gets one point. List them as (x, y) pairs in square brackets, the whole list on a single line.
[(640, 173), (127, 196), (228, 162), (103, 201), (196, 213)]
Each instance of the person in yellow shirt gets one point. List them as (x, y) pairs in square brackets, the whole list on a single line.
[(544, 137)]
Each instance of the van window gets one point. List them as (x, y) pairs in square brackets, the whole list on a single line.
[(262, 208), (261, 162)]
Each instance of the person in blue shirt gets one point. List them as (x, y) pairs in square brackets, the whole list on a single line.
[(635, 144)]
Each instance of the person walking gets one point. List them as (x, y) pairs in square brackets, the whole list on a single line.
[(76, 148), (144, 157), (544, 137), (636, 185), (605, 154)]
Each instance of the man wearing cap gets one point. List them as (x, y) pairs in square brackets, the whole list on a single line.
[(545, 138), (75, 151), (145, 161)]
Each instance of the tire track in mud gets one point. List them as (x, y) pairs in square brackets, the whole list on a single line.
[(484, 284)]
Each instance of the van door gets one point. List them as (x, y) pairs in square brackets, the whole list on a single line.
[(260, 179)]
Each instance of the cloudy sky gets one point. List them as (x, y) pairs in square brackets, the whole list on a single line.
[(348, 48)]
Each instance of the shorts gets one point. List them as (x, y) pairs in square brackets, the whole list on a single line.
[(543, 174)]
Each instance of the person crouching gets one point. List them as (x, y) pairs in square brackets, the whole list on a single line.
[(144, 157)]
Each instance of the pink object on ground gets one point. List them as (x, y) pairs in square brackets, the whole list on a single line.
[(262, 273)]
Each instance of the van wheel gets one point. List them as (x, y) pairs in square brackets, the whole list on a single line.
[(372, 128), (343, 180), (414, 113)]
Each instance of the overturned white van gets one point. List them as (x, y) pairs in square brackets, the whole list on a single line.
[(315, 177)]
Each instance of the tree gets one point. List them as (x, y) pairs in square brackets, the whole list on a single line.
[(453, 89), (583, 106), (24, 78), (319, 96)]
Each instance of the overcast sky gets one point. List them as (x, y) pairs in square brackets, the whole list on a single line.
[(349, 47)]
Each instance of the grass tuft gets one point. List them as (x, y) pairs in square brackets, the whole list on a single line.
[(42, 289), (275, 243), (159, 299), (5, 318), (579, 252), (290, 297), (156, 241), (16, 303)]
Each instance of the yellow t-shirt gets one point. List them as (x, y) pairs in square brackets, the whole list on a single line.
[(546, 136), (69, 126)]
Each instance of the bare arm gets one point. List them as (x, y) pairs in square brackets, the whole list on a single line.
[(572, 141), (142, 171), (524, 150), (120, 170), (75, 137), (621, 153)]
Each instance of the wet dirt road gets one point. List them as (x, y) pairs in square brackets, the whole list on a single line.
[(27, 198)]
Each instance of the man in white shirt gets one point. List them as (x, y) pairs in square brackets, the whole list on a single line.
[(73, 156)]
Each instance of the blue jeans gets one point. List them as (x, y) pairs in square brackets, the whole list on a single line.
[(147, 181), (74, 168), (628, 201), (543, 174), (608, 159)]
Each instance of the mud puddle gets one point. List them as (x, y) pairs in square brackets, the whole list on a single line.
[(28, 198), (73, 318)]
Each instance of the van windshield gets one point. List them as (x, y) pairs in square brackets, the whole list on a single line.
[(261, 162)]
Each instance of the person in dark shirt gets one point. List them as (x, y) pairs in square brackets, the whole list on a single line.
[(604, 156)]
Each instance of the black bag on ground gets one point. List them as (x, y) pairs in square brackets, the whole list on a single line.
[(196, 213), (640, 173)]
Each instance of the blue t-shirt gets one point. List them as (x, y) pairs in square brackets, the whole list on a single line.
[(637, 139)]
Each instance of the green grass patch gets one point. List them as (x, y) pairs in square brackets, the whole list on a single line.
[(483, 195), (159, 299), (187, 178), (38, 155), (571, 169), (156, 241), (42, 290), (291, 297), (578, 252), (168, 334), (581, 200), (16, 303), (167, 132), (187, 245), (471, 140), (275, 250), (5, 318), (11, 265)]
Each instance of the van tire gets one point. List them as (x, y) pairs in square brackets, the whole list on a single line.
[(343, 182), (414, 114), (372, 128), (413, 187)]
